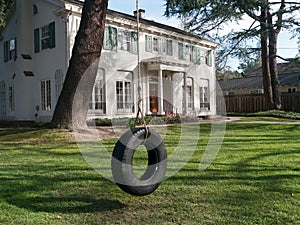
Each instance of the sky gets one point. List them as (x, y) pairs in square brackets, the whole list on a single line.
[(287, 47)]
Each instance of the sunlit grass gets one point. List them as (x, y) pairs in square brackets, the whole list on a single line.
[(255, 179)]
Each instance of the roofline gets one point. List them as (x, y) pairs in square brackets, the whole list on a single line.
[(133, 18), (160, 25), (149, 22)]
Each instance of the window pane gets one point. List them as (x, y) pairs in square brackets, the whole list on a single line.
[(119, 91), (48, 83), (209, 58), (180, 50), (169, 47), (124, 98), (11, 99), (155, 45), (148, 43), (134, 42), (43, 94), (46, 95), (45, 38)]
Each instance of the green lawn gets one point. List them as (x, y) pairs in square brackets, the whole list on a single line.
[(255, 179)]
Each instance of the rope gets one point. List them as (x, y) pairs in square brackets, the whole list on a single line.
[(139, 74)]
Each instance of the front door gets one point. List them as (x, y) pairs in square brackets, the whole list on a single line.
[(153, 91)]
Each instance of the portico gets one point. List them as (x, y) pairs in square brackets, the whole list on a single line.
[(164, 91)]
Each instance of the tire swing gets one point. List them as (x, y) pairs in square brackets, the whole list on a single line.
[(122, 161), (127, 145)]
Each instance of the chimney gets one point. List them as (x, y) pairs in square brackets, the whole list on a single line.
[(141, 13)]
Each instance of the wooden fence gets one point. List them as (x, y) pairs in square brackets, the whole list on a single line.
[(256, 103)]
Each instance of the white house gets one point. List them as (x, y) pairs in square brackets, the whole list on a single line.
[(177, 68)]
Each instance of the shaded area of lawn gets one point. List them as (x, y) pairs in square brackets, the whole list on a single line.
[(255, 179)]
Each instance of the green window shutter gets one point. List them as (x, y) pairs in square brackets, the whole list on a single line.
[(196, 55), (180, 50), (134, 44), (148, 40), (37, 40), (110, 40), (5, 48), (114, 38), (52, 34), (169, 47), (15, 49), (106, 42), (193, 54), (209, 57)]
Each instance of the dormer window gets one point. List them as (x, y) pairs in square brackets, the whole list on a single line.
[(35, 10)]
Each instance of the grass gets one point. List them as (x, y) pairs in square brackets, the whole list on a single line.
[(270, 115), (255, 179)]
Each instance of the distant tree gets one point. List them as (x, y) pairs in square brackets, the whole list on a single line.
[(268, 16), (72, 106), (249, 64), (228, 74), (4, 5)]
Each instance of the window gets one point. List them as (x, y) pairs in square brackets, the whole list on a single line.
[(257, 92), (148, 45), (11, 98), (110, 38), (156, 44), (204, 95), (190, 98), (44, 37), (123, 94), (209, 58), (204, 98), (46, 95), (97, 101), (163, 46), (229, 93), (180, 51), (35, 10), (196, 56), (187, 53), (189, 94), (10, 50), (127, 41), (169, 47), (292, 90), (124, 40), (134, 42), (59, 81)]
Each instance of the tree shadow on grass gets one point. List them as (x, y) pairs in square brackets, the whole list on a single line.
[(57, 189), (65, 204)]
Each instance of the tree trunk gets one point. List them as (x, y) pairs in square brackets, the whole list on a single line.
[(72, 105), (265, 60), (273, 36), (273, 39)]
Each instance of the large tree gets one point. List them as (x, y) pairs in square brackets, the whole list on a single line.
[(72, 105), (268, 16)]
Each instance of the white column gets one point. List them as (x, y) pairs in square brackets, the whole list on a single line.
[(160, 93), (184, 110)]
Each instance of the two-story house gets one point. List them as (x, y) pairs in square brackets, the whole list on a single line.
[(177, 68)]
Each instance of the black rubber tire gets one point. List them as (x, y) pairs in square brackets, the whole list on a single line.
[(122, 158)]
